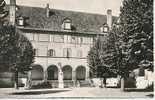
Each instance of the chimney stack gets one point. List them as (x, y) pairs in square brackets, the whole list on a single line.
[(109, 18), (12, 12), (47, 10)]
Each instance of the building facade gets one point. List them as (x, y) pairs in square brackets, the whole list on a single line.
[(61, 41)]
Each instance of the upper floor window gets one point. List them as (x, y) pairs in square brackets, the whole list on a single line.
[(141, 72), (79, 53), (80, 40), (21, 21), (58, 38), (104, 28), (86, 40), (44, 37), (73, 39), (30, 36), (51, 53), (42, 50), (67, 52), (67, 24), (35, 51)]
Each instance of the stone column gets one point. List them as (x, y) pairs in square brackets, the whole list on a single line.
[(60, 79), (87, 73), (74, 78), (45, 76), (29, 80), (60, 76)]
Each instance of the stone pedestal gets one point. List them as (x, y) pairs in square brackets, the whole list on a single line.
[(74, 78), (45, 76), (60, 80), (29, 80)]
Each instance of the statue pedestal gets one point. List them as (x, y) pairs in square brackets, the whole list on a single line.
[(60, 80)]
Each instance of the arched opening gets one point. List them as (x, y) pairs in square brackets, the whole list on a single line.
[(52, 72), (37, 72), (67, 72), (80, 73)]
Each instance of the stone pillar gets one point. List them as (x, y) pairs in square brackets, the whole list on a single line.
[(29, 80), (12, 12), (87, 73), (109, 18), (74, 78), (45, 76), (60, 79), (60, 76)]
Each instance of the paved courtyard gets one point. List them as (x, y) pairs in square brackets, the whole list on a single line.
[(73, 92)]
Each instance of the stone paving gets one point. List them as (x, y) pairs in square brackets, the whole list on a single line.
[(73, 92)]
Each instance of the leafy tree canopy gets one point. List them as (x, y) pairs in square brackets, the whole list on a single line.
[(16, 51), (136, 23)]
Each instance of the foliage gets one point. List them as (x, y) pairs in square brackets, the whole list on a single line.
[(93, 58), (99, 57), (136, 24), (130, 43), (16, 52), (3, 12)]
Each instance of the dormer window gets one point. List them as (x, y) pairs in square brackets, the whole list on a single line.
[(104, 28), (21, 21), (67, 24)]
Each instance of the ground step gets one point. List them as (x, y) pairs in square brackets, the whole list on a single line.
[(85, 84)]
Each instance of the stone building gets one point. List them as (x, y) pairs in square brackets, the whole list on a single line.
[(61, 40)]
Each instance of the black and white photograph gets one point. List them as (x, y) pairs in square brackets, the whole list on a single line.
[(76, 49)]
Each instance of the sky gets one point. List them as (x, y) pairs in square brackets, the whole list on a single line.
[(90, 6)]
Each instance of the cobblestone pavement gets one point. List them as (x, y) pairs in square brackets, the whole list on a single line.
[(74, 92)]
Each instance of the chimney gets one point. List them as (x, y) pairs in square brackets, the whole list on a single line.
[(12, 12), (109, 18), (47, 10)]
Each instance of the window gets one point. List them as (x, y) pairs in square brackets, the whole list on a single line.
[(79, 53), (80, 40), (86, 40), (67, 52), (51, 53), (67, 24), (35, 51), (104, 28), (73, 39), (44, 37), (141, 72), (30, 36), (91, 40), (59, 38), (20, 21), (42, 50)]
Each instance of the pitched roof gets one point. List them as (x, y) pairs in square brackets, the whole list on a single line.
[(83, 22)]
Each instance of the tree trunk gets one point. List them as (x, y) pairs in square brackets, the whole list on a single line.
[(16, 80), (104, 82), (101, 82), (122, 84)]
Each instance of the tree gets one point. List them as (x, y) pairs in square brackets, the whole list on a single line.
[(3, 12), (96, 56), (16, 51), (93, 58), (136, 25)]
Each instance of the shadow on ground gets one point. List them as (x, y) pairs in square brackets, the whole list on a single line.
[(150, 95), (38, 92), (137, 90)]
